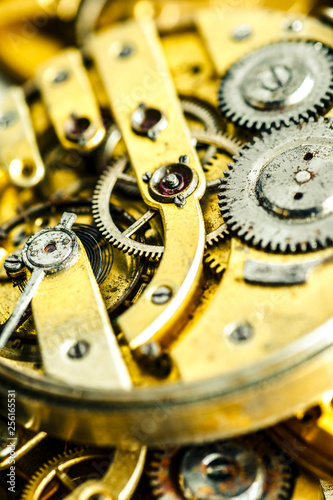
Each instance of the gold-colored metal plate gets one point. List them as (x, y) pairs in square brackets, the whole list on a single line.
[(151, 84), (76, 119), (267, 26), (59, 305), (19, 152)]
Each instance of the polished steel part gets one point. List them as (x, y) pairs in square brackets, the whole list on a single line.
[(286, 209), (263, 273), (278, 84), (19, 153), (76, 119), (145, 61)]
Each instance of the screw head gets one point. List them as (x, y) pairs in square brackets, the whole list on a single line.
[(150, 350), (241, 32), (61, 77), (126, 50), (172, 180), (146, 177), (78, 350), (162, 295), (13, 263), (180, 201), (295, 25), (239, 332), (184, 159)]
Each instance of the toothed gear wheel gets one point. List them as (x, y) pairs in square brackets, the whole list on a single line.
[(247, 468), (104, 220), (62, 474), (208, 116), (278, 193), (217, 229), (278, 84)]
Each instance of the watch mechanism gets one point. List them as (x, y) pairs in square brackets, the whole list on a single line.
[(166, 250)]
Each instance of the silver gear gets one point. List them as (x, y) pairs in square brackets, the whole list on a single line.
[(278, 84), (249, 468), (278, 194), (107, 184)]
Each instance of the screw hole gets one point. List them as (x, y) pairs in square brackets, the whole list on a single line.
[(298, 196), (312, 415), (308, 156), (50, 248), (61, 77)]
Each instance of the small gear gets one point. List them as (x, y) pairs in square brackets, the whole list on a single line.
[(247, 468), (278, 194), (217, 229), (278, 84), (60, 475)]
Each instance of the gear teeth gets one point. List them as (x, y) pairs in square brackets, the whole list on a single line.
[(30, 489), (234, 201), (214, 264), (234, 107), (163, 472), (107, 228)]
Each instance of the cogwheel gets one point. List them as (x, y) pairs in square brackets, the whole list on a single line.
[(278, 193), (217, 258), (278, 84), (103, 216), (215, 227), (250, 468), (54, 479), (207, 116)]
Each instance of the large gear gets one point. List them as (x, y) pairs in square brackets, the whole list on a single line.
[(247, 468), (217, 229), (277, 195), (278, 84), (54, 478)]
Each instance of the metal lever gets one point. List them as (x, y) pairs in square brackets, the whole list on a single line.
[(47, 251)]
